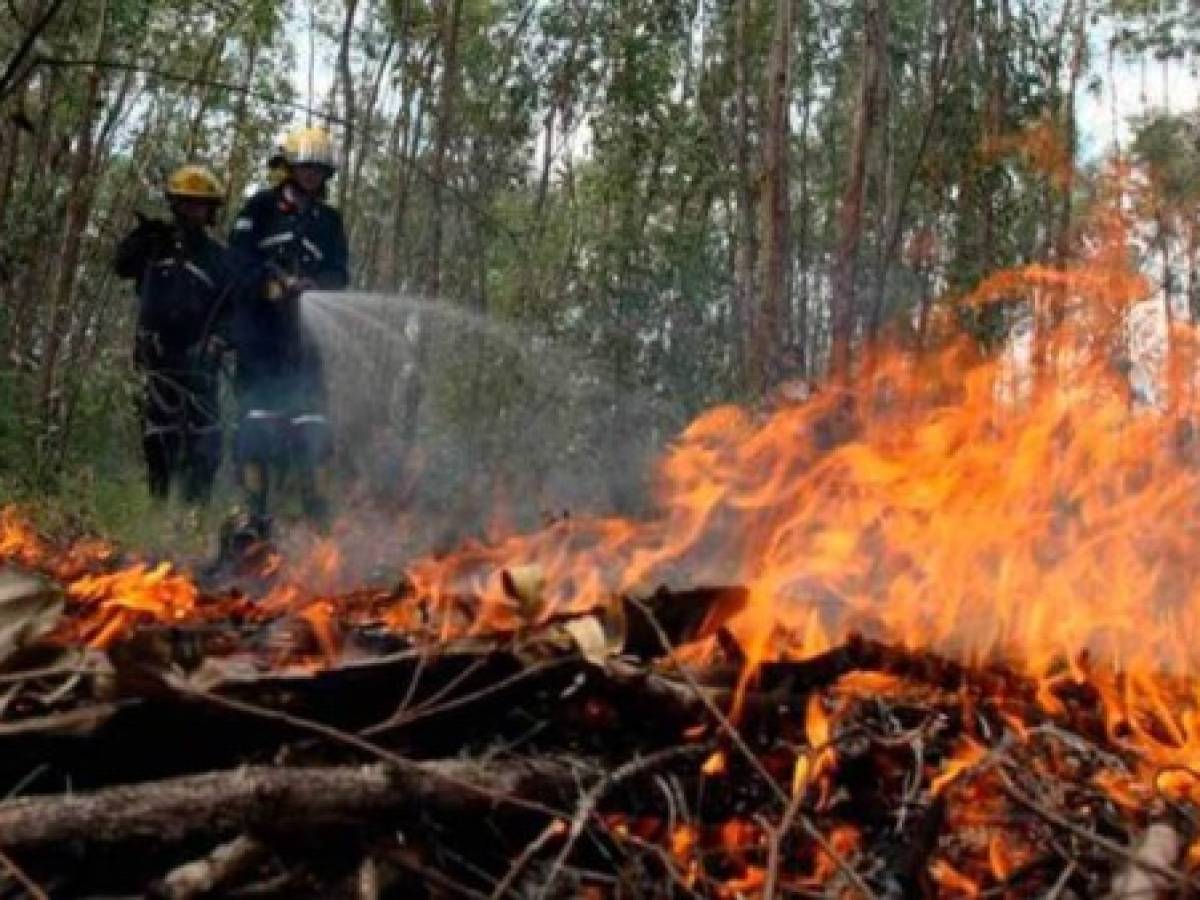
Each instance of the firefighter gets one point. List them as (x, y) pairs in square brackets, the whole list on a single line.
[(296, 242), (182, 276)]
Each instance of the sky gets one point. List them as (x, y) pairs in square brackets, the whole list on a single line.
[(1128, 89)]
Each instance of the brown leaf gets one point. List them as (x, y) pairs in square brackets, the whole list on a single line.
[(30, 608)]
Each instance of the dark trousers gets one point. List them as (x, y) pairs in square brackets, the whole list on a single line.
[(181, 432), (283, 427)]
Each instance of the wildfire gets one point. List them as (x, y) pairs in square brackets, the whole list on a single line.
[(1029, 507)]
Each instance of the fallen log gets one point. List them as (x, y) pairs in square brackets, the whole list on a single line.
[(273, 798)]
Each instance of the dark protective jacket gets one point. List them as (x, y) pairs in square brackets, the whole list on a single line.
[(183, 280), (276, 238)]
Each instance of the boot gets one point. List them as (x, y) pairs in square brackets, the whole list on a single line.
[(243, 548)]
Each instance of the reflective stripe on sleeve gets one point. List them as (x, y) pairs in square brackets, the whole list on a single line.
[(281, 238)]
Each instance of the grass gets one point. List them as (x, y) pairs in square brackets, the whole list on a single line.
[(116, 506)]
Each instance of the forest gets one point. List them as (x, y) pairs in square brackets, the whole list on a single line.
[(761, 455), (625, 212)]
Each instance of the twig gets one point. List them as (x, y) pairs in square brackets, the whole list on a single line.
[(670, 866), (17, 789), (47, 672), (1061, 884), (441, 879), (74, 720), (351, 740), (25, 881), (202, 876), (736, 737), (403, 718), (532, 849), (165, 75), (8, 78), (368, 879), (1117, 850), (777, 836), (589, 802)]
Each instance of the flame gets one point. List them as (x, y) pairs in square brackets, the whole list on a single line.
[(969, 755), (748, 882), (159, 593), (1032, 506), (845, 841), (716, 764), (1003, 857), (953, 882), (684, 839)]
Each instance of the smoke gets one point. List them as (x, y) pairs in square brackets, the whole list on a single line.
[(512, 430)]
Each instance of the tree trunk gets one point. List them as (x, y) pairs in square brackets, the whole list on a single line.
[(78, 208), (365, 138), (745, 250), (850, 218), (238, 170), (799, 337), (346, 79), (767, 334), (451, 24), (896, 209), (212, 55)]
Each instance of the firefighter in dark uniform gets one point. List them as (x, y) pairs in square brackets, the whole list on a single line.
[(182, 277), (296, 242)]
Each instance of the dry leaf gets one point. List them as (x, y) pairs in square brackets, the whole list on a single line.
[(30, 608), (526, 586)]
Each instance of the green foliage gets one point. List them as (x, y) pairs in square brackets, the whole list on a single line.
[(591, 200)]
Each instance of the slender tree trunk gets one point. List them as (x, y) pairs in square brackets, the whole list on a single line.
[(745, 250), (563, 86), (31, 283), (882, 150), (10, 153), (799, 339), (212, 56), (895, 217), (395, 270), (451, 26), (767, 335), (845, 272), (1172, 339), (445, 126), (346, 79), (367, 135), (238, 170), (1191, 229), (78, 209), (1070, 129)]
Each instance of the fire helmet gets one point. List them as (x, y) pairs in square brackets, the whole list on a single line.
[(309, 147), (194, 183)]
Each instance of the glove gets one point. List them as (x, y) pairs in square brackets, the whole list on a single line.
[(287, 287)]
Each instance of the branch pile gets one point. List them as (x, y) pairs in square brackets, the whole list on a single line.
[(570, 759)]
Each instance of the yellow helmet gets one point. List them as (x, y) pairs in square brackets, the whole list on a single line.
[(309, 146), (195, 182)]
